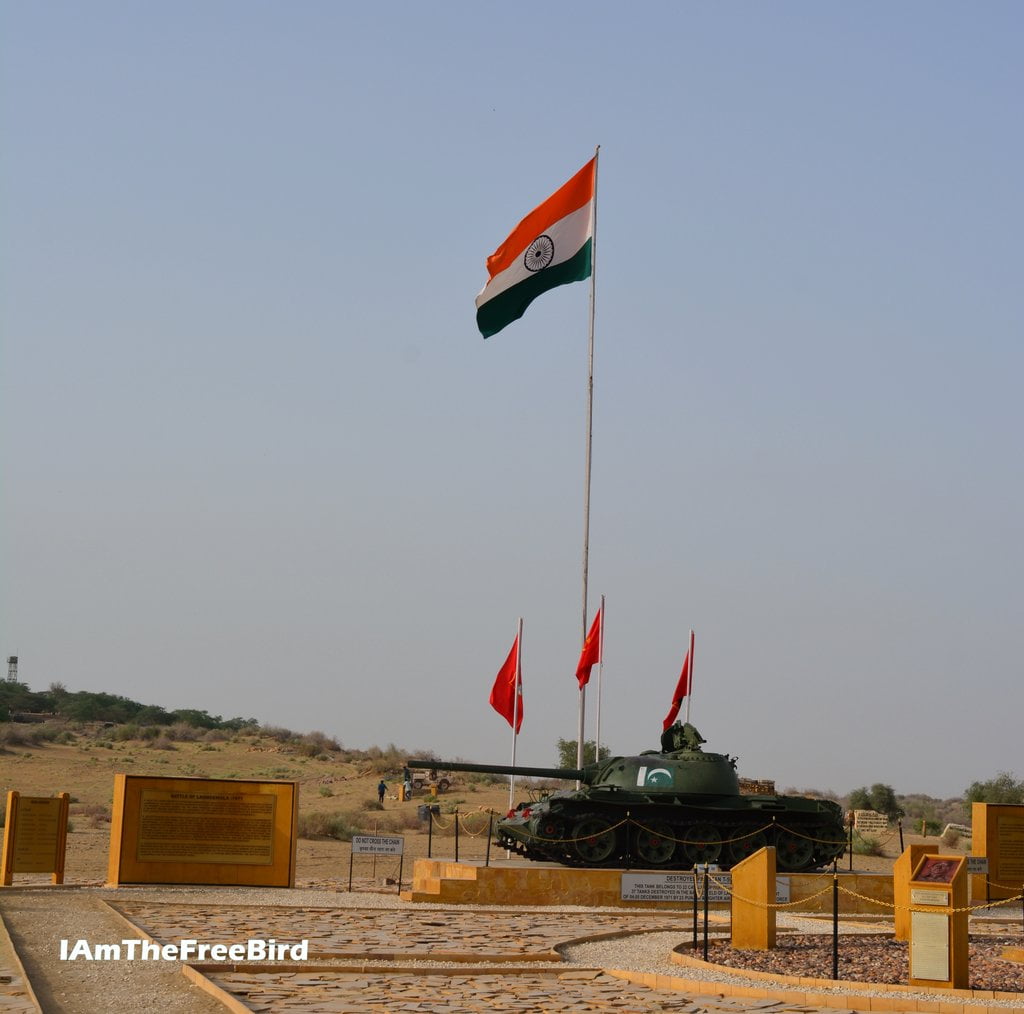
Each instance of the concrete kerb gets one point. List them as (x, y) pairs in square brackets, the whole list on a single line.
[(945, 1000), (8, 949)]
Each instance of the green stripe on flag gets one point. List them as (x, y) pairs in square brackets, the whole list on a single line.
[(511, 304)]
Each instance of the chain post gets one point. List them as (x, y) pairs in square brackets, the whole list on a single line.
[(835, 920), (490, 826), (695, 892), (705, 911)]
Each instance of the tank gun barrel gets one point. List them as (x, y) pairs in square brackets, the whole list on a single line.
[(569, 774)]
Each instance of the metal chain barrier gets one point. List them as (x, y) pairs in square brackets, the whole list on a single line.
[(487, 814), (766, 904), (699, 885)]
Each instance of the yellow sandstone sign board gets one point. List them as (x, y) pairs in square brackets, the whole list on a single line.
[(203, 831), (998, 835), (35, 836)]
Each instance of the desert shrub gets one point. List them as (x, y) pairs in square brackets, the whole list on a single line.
[(326, 790), (383, 762), (161, 743), (866, 845), (372, 804), (326, 825), (215, 736), (475, 778), (950, 837), (281, 734), (97, 814), (404, 820), (14, 735), (48, 732), (316, 744), (125, 732), (182, 732)]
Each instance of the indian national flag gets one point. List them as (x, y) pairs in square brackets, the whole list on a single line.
[(553, 245)]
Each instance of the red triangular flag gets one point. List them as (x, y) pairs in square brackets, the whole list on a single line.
[(507, 692), (591, 653), (682, 688)]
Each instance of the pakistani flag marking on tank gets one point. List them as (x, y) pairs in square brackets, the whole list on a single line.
[(552, 245)]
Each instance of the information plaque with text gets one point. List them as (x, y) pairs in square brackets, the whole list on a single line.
[(203, 831)]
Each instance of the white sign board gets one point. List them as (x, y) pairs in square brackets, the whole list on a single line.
[(977, 864), (679, 887), (377, 845)]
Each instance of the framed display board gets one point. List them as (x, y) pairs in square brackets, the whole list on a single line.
[(203, 831)]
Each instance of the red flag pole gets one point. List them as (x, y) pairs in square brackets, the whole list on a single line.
[(515, 709), (690, 688), (600, 671)]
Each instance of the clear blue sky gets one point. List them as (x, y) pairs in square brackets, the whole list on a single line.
[(257, 459)]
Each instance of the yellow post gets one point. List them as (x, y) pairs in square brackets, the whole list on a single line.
[(901, 873), (753, 901)]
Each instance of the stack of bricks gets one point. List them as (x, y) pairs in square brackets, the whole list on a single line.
[(757, 786)]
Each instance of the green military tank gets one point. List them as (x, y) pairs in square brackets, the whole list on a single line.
[(669, 809)]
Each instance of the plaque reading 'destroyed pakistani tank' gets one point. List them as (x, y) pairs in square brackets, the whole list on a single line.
[(672, 809)]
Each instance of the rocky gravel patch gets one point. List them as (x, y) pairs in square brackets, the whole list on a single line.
[(869, 959)]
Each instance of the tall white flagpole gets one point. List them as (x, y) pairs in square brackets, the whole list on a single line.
[(515, 709), (689, 689), (600, 673), (590, 440)]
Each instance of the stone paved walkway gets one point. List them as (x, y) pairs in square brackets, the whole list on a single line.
[(557, 993), (402, 934), (362, 957)]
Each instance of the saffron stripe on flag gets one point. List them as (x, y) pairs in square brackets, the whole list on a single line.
[(570, 197)]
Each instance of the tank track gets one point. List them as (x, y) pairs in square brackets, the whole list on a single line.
[(592, 839)]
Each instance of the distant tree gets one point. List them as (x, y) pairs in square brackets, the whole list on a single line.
[(860, 799), (152, 714), (196, 718), (883, 800), (567, 752), (880, 798), (1004, 788)]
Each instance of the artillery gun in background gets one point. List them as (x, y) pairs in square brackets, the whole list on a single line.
[(668, 809)]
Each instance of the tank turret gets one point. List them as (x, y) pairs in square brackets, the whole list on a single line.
[(672, 808)]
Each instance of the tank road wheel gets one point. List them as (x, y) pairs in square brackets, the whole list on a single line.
[(551, 837), (700, 844), (551, 829), (655, 843), (793, 852), (595, 840), (831, 845), (739, 848)]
